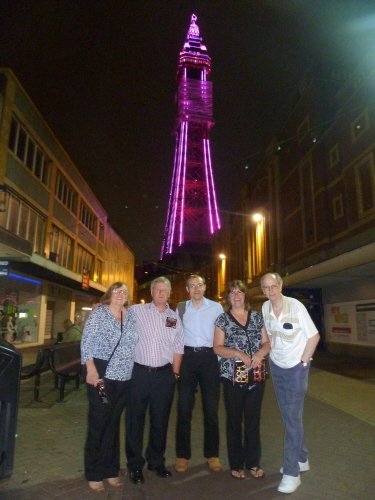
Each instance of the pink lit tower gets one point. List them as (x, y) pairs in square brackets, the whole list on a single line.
[(192, 212)]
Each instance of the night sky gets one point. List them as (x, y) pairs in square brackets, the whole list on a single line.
[(103, 75)]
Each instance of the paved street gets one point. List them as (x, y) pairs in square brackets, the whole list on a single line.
[(340, 425)]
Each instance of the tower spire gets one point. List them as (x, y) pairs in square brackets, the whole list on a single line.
[(192, 212), (193, 32)]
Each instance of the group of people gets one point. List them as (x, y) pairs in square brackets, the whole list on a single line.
[(134, 355)]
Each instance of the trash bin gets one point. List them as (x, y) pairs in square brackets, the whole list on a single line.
[(10, 373)]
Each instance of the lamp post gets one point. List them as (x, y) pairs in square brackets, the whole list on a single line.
[(221, 275), (258, 243)]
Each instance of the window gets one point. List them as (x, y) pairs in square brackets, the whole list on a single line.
[(22, 220), (85, 261), (61, 248), (365, 182), (360, 125), (334, 155), (65, 193), (28, 152), (308, 202), (99, 271), (87, 217), (101, 232), (303, 129), (338, 207)]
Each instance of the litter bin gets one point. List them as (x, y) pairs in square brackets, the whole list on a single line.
[(10, 373)]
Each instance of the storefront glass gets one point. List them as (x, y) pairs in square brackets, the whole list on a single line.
[(19, 308)]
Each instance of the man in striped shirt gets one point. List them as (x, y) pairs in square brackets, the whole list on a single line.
[(158, 357)]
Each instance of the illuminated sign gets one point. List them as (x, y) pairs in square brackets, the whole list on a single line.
[(85, 280), (4, 267)]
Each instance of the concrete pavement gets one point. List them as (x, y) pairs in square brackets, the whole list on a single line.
[(339, 422)]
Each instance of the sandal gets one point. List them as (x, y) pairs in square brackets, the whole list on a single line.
[(256, 472), (237, 474), (96, 485), (115, 482)]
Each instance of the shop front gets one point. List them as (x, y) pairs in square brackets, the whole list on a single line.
[(35, 311)]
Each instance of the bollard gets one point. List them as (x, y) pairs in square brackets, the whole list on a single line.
[(10, 373)]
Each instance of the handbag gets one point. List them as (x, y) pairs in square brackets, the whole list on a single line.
[(240, 373), (244, 376)]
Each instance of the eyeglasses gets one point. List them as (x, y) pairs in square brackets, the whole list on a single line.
[(236, 292), (197, 286), (270, 288), (120, 291)]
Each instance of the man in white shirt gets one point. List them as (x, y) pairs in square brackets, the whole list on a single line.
[(199, 366), (293, 338)]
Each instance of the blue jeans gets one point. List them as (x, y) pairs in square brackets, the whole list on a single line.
[(290, 386)]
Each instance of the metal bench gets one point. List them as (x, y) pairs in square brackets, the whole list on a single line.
[(65, 363), (41, 365)]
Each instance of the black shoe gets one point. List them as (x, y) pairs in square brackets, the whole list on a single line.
[(136, 476), (160, 470)]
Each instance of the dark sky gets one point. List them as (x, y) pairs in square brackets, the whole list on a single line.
[(102, 73)]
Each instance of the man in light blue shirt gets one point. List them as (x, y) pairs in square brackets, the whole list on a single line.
[(199, 366)]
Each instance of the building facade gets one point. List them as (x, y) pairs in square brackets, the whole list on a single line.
[(58, 254), (309, 211)]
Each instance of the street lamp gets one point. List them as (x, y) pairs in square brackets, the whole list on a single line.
[(221, 274), (257, 217), (258, 243)]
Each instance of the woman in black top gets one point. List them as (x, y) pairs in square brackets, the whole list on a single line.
[(240, 336)]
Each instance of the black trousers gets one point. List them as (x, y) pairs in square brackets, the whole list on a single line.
[(151, 390), (201, 368), (243, 409), (102, 448)]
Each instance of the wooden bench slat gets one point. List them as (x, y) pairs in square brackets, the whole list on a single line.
[(65, 362)]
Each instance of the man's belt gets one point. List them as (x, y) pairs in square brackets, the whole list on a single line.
[(197, 349), (153, 368)]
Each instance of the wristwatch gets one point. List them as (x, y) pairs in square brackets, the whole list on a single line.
[(304, 363)]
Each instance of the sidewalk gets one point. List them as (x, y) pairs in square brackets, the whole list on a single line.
[(339, 422)]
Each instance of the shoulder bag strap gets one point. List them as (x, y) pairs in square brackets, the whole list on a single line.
[(181, 308), (117, 342)]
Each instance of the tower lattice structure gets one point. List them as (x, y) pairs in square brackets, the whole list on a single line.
[(192, 211)]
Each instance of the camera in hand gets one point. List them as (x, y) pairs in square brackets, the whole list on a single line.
[(101, 391)]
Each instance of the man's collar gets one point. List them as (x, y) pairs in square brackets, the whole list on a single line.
[(190, 303), (152, 304)]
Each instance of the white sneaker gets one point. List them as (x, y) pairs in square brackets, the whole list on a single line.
[(289, 484), (303, 467)]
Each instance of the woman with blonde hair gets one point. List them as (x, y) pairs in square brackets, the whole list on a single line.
[(107, 351)]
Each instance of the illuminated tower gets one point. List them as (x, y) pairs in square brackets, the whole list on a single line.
[(192, 212)]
